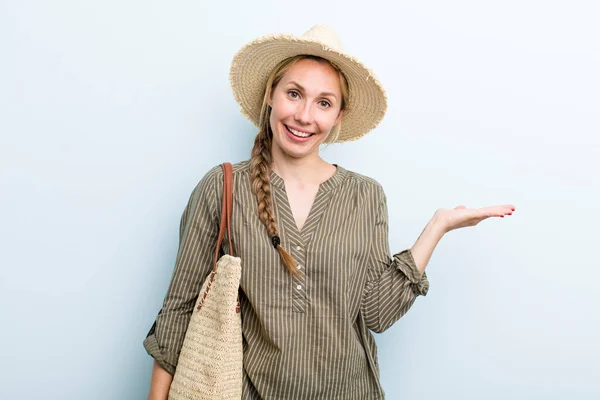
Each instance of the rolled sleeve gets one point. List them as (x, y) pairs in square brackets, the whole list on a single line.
[(405, 263), (164, 357)]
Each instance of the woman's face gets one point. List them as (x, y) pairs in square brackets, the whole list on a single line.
[(305, 105)]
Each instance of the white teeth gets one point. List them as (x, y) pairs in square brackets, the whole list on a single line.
[(298, 133)]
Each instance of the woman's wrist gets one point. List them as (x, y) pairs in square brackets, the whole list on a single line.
[(427, 241)]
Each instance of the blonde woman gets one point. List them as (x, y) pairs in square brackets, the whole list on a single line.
[(317, 275)]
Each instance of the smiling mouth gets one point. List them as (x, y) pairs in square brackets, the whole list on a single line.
[(298, 133)]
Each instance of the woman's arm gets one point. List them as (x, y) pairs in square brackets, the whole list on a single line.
[(199, 230), (393, 284), (444, 221), (160, 383)]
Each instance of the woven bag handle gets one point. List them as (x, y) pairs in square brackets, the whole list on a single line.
[(226, 208)]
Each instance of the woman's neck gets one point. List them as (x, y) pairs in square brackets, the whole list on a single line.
[(305, 171)]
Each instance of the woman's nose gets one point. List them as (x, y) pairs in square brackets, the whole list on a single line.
[(304, 113)]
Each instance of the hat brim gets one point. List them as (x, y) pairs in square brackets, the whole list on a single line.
[(252, 65)]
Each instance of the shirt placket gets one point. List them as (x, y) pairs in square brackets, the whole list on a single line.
[(295, 244), (299, 292)]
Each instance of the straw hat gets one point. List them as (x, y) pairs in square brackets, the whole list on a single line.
[(252, 65)]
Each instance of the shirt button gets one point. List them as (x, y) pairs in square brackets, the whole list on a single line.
[(299, 266), (299, 287), (298, 248)]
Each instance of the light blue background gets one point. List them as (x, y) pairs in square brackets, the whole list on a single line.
[(110, 113)]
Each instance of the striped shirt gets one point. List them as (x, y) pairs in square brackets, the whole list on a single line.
[(306, 337)]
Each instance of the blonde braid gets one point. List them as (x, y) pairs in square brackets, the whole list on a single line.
[(261, 185)]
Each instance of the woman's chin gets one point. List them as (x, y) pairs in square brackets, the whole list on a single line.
[(294, 151)]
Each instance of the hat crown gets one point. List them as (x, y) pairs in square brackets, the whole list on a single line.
[(325, 35)]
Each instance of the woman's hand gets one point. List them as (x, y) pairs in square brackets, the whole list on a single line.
[(462, 216), (446, 220)]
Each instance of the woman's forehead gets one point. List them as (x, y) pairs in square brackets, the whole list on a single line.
[(313, 76)]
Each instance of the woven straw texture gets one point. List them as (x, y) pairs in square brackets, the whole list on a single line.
[(252, 65), (210, 362)]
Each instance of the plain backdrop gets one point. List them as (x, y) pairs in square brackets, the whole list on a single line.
[(111, 112)]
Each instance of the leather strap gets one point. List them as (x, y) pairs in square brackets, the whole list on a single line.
[(226, 209)]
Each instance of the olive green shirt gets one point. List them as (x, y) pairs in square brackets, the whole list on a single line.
[(306, 337)]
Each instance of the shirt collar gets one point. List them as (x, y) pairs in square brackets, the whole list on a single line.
[(334, 181)]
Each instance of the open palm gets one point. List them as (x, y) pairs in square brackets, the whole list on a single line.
[(462, 216)]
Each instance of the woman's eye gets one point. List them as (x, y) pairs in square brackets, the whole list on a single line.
[(293, 95), (324, 103)]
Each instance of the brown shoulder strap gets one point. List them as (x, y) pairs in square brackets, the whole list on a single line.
[(226, 209)]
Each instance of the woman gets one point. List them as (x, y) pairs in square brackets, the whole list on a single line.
[(313, 238)]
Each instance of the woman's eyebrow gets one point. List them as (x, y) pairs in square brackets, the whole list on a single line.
[(304, 90)]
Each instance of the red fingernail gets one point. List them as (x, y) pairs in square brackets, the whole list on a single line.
[(502, 216)]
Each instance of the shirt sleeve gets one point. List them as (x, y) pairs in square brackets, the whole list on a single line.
[(198, 234), (393, 283)]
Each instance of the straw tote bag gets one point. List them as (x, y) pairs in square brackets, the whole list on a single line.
[(210, 362)]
